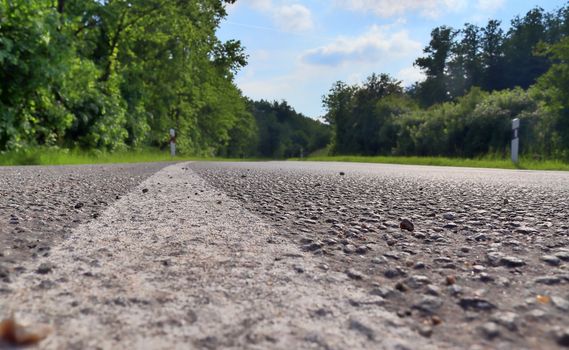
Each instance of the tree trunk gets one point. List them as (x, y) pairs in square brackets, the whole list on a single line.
[(60, 6)]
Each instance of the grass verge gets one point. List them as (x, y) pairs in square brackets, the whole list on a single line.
[(527, 164), (72, 157)]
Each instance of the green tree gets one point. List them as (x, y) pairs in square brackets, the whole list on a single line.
[(434, 89), (284, 133), (523, 67), (34, 56), (493, 64), (339, 103), (368, 120), (465, 67), (553, 90), (111, 74)]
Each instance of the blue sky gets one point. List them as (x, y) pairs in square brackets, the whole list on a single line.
[(298, 49)]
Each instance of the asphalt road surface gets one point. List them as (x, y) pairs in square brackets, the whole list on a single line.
[(304, 255)]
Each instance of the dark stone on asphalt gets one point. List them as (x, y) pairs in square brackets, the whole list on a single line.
[(406, 224), (393, 273), (79, 205), (298, 268), (428, 304), (383, 292), (450, 226), (363, 329), (144, 190), (322, 312), (355, 274), (563, 337), (551, 260), (549, 280), (4, 272), (562, 255), (511, 261), (402, 287), (311, 247), (45, 268), (476, 304), (419, 265)]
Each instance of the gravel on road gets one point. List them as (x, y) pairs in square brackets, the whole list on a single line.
[(485, 263), (40, 205)]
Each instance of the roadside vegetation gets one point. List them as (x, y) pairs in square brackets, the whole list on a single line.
[(477, 81), (103, 81), (485, 162), (115, 76), (75, 157)]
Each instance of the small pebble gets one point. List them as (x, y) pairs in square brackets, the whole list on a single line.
[(551, 260), (406, 224), (490, 330)]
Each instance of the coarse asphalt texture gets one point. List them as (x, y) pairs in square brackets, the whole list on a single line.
[(487, 265), (298, 255), (175, 264), (40, 205)]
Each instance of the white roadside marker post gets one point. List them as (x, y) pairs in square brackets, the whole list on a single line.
[(515, 139), (172, 142)]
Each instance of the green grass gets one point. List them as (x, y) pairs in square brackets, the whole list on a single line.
[(45, 156), (71, 157), (485, 162)]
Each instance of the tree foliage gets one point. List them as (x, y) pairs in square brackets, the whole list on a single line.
[(553, 90), (113, 74), (284, 133), (487, 57), (477, 80), (357, 116)]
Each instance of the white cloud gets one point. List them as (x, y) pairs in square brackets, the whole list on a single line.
[(410, 75), (289, 17), (259, 5), (377, 45), (295, 18), (390, 8), (261, 55), (490, 5)]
